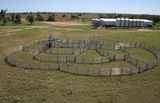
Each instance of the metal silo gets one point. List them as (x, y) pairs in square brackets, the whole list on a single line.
[(139, 22), (142, 23), (147, 23), (96, 22), (134, 22), (118, 22), (130, 23), (122, 22), (126, 22)]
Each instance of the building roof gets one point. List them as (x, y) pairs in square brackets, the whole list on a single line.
[(145, 20), (107, 19), (114, 20)]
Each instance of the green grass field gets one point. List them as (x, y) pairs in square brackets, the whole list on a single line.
[(137, 53), (18, 85), (24, 23)]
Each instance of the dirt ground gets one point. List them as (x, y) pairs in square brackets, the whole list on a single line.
[(40, 27), (144, 30), (65, 23), (138, 30)]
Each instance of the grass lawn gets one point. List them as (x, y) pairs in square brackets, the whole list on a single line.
[(90, 54), (24, 23), (114, 52), (142, 54), (18, 85)]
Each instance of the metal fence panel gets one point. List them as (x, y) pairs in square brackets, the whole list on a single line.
[(116, 71)]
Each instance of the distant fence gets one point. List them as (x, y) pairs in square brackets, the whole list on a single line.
[(70, 60)]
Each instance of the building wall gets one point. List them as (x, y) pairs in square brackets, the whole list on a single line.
[(123, 22)]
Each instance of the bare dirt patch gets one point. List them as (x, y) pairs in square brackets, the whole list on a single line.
[(137, 30), (40, 27), (67, 29), (65, 23), (144, 30)]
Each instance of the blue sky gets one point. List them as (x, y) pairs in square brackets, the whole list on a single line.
[(105, 6)]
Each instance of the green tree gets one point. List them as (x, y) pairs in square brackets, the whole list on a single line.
[(63, 15), (39, 18), (18, 19), (8, 18), (74, 17), (30, 19), (13, 18), (51, 18), (2, 16), (4, 21)]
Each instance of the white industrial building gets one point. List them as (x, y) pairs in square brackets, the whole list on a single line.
[(122, 22)]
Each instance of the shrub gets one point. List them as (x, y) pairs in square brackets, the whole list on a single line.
[(51, 18), (39, 18), (30, 19), (16, 18)]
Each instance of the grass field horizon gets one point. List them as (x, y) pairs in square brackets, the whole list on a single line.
[(41, 86)]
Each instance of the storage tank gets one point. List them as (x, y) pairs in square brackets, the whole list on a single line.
[(134, 22), (126, 22), (118, 22), (147, 23), (102, 22), (96, 22), (122, 22), (137, 23), (141, 23), (108, 22), (130, 23)]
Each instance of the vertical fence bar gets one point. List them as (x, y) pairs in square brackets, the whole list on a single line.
[(83, 59), (110, 72), (136, 62), (67, 67), (131, 70), (77, 69), (121, 71), (99, 72), (114, 57), (139, 71), (147, 66)]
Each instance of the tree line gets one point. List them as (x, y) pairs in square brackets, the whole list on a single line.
[(16, 18), (155, 18)]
